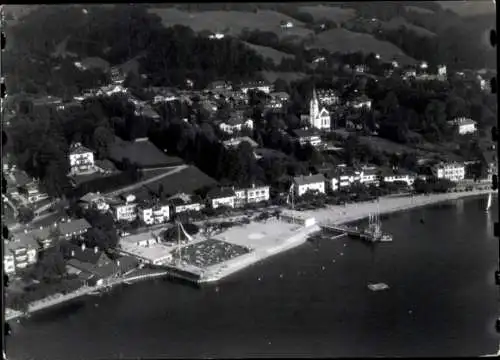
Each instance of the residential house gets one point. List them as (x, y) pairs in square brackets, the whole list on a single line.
[(302, 184), (216, 36), (441, 71), (94, 201), (21, 251), (452, 171), (95, 266), (328, 97), (308, 136), (252, 195), (369, 176), (286, 25), (263, 86), (464, 125), (221, 197), (235, 142), (153, 213), (220, 85), (124, 208), (117, 76), (33, 193), (390, 176), (180, 203), (73, 228), (362, 68), (360, 102), (81, 159), (318, 119), (235, 124)]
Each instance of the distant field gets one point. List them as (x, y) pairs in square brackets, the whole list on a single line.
[(419, 10), (469, 8), (268, 52), (187, 181), (231, 22), (337, 14), (271, 76), (345, 41), (397, 22)]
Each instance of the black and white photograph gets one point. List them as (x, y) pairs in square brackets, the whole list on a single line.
[(250, 180)]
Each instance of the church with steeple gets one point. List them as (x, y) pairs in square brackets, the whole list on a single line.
[(318, 119)]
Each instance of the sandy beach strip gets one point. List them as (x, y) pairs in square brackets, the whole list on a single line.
[(336, 215)]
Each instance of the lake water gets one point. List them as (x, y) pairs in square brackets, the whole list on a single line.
[(312, 301)]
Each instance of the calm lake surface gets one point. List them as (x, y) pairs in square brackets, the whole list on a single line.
[(312, 301)]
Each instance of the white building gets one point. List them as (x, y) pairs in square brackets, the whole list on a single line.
[(216, 36), (318, 119), (9, 263), (236, 124), (451, 171), (360, 102), (94, 200), (81, 159), (308, 136), (328, 97), (125, 209), (302, 184), (153, 213), (257, 85), (464, 125), (33, 193), (286, 25), (180, 203), (393, 177), (22, 251), (252, 195), (441, 70), (369, 176), (221, 197)]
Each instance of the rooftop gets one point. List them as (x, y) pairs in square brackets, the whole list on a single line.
[(74, 226), (311, 179), (219, 193), (234, 142)]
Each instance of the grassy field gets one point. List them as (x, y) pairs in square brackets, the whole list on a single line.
[(268, 52), (397, 22), (231, 22), (186, 181), (345, 41), (337, 14)]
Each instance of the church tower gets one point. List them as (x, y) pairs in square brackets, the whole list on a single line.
[(314, 109)]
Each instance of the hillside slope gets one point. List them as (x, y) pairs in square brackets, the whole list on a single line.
[(345, 41)]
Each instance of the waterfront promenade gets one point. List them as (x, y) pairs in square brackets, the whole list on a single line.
[(337, 215)]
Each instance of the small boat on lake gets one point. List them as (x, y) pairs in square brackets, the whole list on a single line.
[(378, 287)]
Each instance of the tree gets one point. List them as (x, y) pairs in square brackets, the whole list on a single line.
[(25, 215), (102, 139)]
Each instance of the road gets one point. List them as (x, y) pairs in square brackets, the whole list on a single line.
[(148, 181)]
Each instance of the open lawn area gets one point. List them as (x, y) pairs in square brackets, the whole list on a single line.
[(186, 181), (332, 13), (231, 22), (268, 52), (345, 41), (142, 152), (397, 22)]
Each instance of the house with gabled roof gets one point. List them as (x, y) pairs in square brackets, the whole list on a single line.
[(218, 197), (302, 184)]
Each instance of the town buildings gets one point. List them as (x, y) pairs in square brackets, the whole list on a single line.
[(263, 86), (235, 124), (315, 183), (153, 213), (308, 136), (181, 203), (81, 159), (124, 208), (251, 195), (464, 125), (221, 197), (451, 171), (94, 201), (318, 119)]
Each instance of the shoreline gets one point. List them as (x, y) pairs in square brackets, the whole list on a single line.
[(331, 215), (54, 300), (338, 215)]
